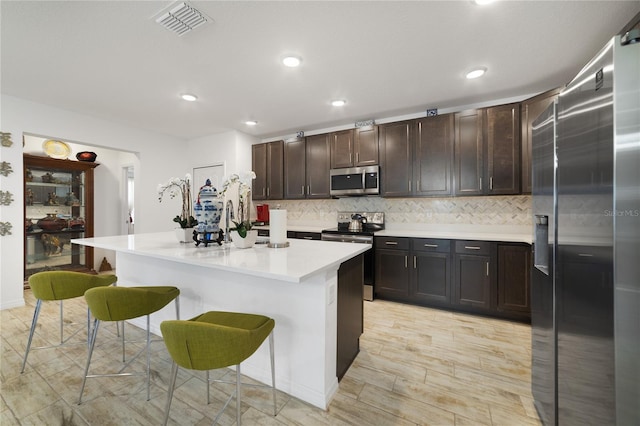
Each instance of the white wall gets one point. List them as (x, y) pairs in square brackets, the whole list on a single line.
[(155, 157), (158, 158), (231, 148)]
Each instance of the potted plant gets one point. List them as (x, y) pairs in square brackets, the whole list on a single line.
[(181, 187), (242, 235)]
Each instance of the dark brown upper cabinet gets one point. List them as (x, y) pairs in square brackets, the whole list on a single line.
[(365, 146), (395, 159), (318, 153), (342, 151), (487, 151), (416, 157), (354, 147), (267, 162), (295, 160), (530, 109), (307, 164), (433, 155), (468, 153), (503, 150)]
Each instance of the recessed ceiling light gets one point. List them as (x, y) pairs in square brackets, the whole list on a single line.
[(292, 61), (483, 2), (338, 102), (189, 97), (475, 73), (250, 122)]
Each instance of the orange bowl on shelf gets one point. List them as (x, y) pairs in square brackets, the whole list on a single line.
[(86, 156)]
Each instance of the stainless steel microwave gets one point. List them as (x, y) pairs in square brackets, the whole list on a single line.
[(354, 181)]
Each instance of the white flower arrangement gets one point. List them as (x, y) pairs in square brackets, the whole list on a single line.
[(180, 187), (243, 182)]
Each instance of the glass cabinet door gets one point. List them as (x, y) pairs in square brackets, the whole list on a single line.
[(56, 211)]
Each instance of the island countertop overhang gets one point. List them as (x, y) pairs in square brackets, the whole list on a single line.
[(300, 260)]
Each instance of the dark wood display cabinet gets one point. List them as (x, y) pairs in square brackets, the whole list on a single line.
[(58, 207)]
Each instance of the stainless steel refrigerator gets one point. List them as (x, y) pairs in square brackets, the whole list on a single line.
[(585, 291)]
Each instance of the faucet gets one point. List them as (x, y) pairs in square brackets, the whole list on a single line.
[(228, 217)]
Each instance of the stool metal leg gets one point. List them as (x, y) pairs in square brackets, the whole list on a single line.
[(61, 323), (208, 385), (96, 325), (238, 394), (172, 384), (148, 358), (273, 373), (123, 354), (34, 322), (177, 302)]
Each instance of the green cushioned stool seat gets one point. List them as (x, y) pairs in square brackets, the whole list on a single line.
[(216, 340), (60, 286), (124, 303)]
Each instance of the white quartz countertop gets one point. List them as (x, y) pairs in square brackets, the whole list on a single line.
[(515, 234), (505, 233), (300, 260)]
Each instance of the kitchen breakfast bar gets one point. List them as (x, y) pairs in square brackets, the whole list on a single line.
[(312, 289)]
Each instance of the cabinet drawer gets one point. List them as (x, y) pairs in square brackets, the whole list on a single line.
[(429, 244), (473, 247), (393, 243), (263, 232), (308, 235)]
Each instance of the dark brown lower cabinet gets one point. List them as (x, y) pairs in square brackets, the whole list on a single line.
[(431, 280), (473, 280), (350, 313), (483, 277), (473, 275), (392, 268), (514, 278)]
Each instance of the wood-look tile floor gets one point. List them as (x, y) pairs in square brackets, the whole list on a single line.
[(417, 366)]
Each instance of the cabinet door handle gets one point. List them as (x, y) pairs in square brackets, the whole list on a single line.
[(472, 247), (268, 191), (405, 262), (391, 243), (491, 182), (349, 158), (487, 268), (431, 245), (480, 184), (585, 255), (357, 157), (308, 189), (414, 262), (307, 238), (409, 186), (263, 192)]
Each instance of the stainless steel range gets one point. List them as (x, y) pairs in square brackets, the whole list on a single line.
[(358, 227)]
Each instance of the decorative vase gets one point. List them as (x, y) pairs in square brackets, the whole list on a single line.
[(246, 242), (184, 235), (208, 209)]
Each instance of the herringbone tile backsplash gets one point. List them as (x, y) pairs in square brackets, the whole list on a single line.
[(494, 210)]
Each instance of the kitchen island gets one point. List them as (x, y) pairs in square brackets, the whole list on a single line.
[(299, 286)]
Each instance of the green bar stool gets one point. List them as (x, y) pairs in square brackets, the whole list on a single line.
[(60, 286), (217, 340), (125, 303)]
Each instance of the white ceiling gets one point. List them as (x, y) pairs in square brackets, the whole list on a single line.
[(386, 58)]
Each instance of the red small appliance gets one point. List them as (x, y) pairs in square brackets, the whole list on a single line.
[(262, 211)]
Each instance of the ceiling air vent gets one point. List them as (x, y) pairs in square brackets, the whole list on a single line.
[(181, 18)]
